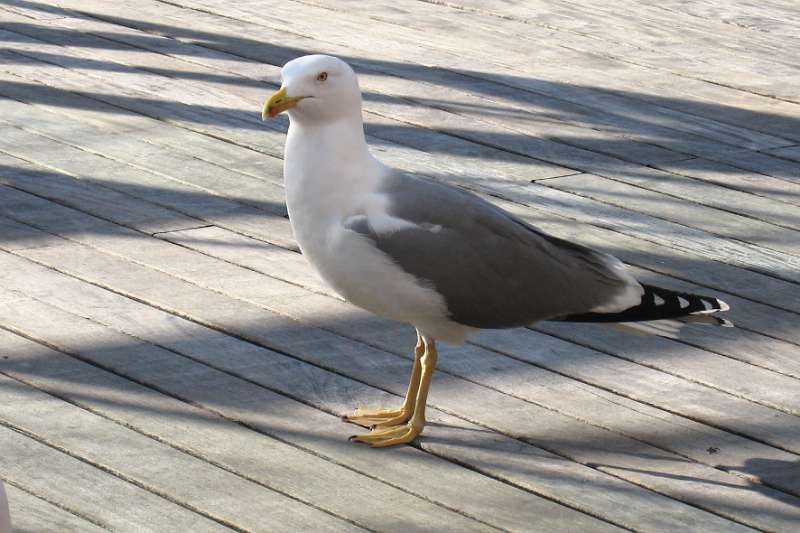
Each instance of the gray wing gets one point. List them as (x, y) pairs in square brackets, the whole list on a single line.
[(492, 269)]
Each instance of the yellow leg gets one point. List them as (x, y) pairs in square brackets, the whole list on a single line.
[(406, 432), (392, 417)]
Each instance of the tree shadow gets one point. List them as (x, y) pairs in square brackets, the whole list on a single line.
[(521, 88), (331, 381)]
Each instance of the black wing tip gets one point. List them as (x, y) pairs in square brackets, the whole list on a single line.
[(658, 303)]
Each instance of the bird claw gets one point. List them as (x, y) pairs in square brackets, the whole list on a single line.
[(378, 418), (391, 436)]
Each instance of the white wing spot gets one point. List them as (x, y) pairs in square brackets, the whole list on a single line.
[(379, 218), (382, 222), (658, 300), (683, 302)]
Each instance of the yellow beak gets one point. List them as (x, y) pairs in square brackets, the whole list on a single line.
[(278, 103)]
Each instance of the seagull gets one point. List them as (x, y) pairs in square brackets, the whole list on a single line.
[(435, 256)]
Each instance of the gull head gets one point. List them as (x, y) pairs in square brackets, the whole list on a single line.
[(315, 88)]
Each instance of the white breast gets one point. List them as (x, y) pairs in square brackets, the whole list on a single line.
[(324, 190)]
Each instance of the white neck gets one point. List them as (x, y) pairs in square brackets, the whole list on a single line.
[(327, 168), (326, 142)]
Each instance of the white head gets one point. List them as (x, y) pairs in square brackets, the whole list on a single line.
[(316, 88)]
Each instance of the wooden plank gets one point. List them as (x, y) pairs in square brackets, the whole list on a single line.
[(457, 443), (204, 178), (590, 132), (743, 223), (517, 47), (481, 403), (772, 263), (756, 339), (790, 152), (728, 176), (262, 257), (140, 80), (643, 28), (398, 159), (638, 385), (452, 96), (183, 198), (724, 198), (534, 468), (741, 344), (5, 518), (776, 20), (558, 90), (268, 292), (100, 139), (746, 160), (283, 297), (45, 188), (678, 58), (552, 129), (110, 203), (31, 513), (225, 444), (142, 285), (419, 161), (210, 491), (90, 491)]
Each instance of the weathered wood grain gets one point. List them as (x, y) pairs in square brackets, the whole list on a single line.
[(736, 223), (712, 347), (285, 380), (271, 292), (717, 247), (210, 491), (400, 159), (251, 294), (214, 439), (92, 492), (144, 231), (790, 152), (636, 46), (160, 294), (777, 20), (758, 184), (585, 68), (31, 513), (532, 468), (745, 255), (233, 40), (743, 344), (617, 372), (590, 132)]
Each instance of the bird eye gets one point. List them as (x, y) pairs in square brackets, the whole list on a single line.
[(322, 76)]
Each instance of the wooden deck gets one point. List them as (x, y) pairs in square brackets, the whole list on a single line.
[(169, 363)]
